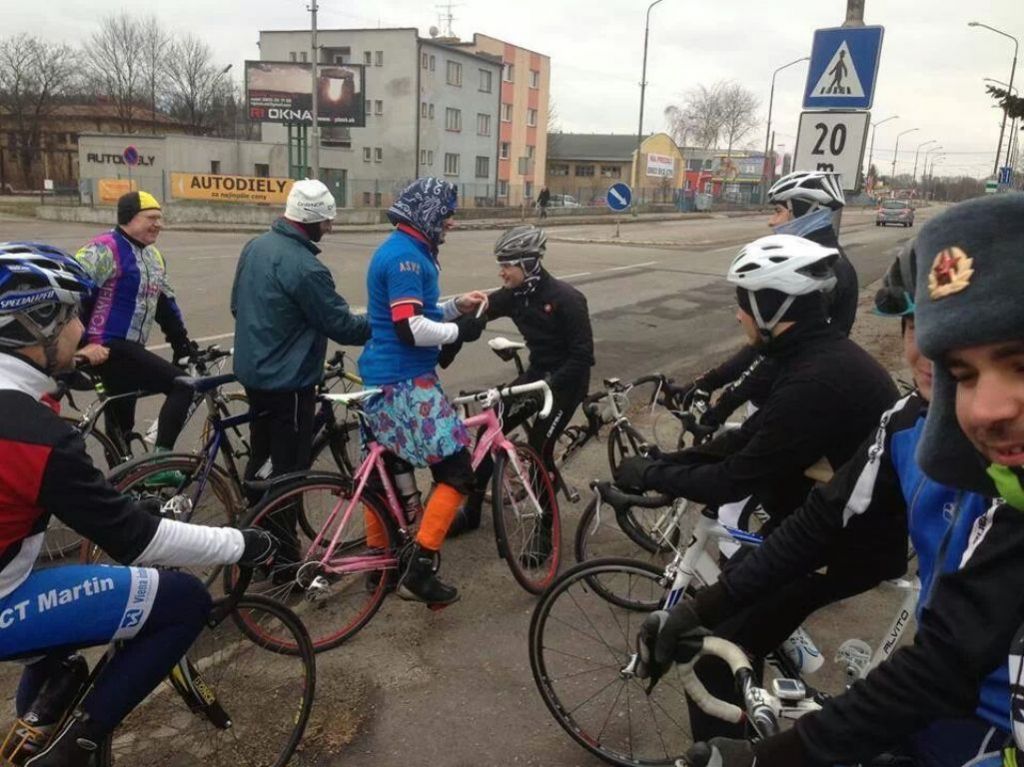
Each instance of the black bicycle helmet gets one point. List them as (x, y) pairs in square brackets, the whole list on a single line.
[(521, 242)]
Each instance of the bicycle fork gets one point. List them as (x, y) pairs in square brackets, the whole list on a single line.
[(199, 696)]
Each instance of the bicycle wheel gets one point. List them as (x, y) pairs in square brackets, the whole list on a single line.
[(335, 600), (266, 698), (650, 535), (623, 441), (580, 646), (528, 529), (338, 448)]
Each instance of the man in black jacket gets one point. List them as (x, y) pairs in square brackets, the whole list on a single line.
[(969, 322), (826, 396), (553, 318), (803, 202)]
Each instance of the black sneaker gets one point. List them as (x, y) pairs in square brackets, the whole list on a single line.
[(420, 583), (75, 746)]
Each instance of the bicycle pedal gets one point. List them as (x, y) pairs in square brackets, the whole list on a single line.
[(318, 589)]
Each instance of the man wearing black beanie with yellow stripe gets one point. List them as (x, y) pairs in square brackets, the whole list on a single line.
[(131, 292)]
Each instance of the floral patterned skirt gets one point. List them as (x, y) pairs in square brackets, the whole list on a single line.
[(415, 421)]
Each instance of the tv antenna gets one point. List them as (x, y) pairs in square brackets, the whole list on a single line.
[(445, 17)]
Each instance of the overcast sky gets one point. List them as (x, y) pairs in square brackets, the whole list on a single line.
[(931, 71)]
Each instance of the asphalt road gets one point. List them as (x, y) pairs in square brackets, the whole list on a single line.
[(454, 687)]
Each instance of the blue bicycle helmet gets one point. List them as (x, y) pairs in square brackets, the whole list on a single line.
[(41, 289)]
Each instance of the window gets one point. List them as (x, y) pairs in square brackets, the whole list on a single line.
[(502, 189), (423, 61), (378, 154), (524, 166), (378, 58), (506, 150), (534, 78), (485, 80), (424, 157), (262, 170), (529, 151), (423, 110), (367, 153), (433, 62), (611, 171), (483, 167), (368, 110), (528, 190), (452, 119), (367, 58), (558, 169), (694, 164), (430, 157), (506, 113), (335, 135), (531, 117), (454, 73), (483, 124), (430, 111), (451, 164), (377, 199), (507, 73), (292, 55), (303, 56), (378, 107), (585, 170), (215, 166)]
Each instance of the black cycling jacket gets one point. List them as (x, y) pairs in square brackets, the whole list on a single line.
[(826, 398), (555, 324)]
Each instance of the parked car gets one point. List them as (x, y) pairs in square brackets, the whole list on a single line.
[(894, 212), (564, 201)]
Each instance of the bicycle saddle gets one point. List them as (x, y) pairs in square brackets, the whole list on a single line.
[(350, 397), (501, 344), (621, 500)]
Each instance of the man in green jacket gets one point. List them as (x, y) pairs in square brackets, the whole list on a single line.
[(286, 307)]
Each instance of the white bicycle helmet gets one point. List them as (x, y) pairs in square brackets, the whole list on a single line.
[(785, 263), (811, 189)]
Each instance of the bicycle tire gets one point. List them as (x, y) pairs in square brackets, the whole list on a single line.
[(530, 539), (269, 700), (623, 441), (579, 644), (638, 535), (351, 599)]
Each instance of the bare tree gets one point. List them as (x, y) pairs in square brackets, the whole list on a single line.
[(679, 127), (114, 67), (198, 88), (739, 113), (700, 117), (35, 77), (156, 46)]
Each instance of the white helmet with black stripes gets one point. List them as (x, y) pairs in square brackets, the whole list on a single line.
[(809, 190)]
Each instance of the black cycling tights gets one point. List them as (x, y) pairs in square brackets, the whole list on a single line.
[(131, 367)]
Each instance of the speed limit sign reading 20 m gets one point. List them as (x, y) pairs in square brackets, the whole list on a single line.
[(832, 141)]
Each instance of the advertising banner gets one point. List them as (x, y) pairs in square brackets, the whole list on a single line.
[(660, 165), (282, 92), (216, 188), (110, 189)]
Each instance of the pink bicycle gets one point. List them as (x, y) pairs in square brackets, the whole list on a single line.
[(352, 532)]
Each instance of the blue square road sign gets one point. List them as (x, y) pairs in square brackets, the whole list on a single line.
[(843, 68)]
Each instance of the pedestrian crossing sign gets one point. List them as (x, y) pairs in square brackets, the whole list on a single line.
[(843, 68)]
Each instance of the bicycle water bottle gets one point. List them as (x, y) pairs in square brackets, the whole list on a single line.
[(802, 652), (404, 474), (52, 702)]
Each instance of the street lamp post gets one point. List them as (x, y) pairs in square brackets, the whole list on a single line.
[(1013, 70), (931, 169), (916, 154), (768, 176), (871, 151), (897, 149), (643, 88)]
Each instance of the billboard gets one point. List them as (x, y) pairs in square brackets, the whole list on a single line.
[(282, 92), (111, 189), (660, 165), (209, 186)]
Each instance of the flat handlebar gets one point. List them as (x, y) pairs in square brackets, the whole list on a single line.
[(488, 397)]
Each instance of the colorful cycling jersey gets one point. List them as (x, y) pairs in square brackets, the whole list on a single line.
[(131, 290), (402, 271)]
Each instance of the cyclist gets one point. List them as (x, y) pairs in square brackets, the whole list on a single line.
[(286, 307), (804, 203), (412, 418), (969, 320), (553, 318), (46, 471), (132, 292), (828, 393), (858, 526)]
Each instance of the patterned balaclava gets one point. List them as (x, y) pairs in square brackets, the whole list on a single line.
[(424, 205)]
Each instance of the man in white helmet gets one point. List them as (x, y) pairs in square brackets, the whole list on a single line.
[(286, 307), (803, 203)]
